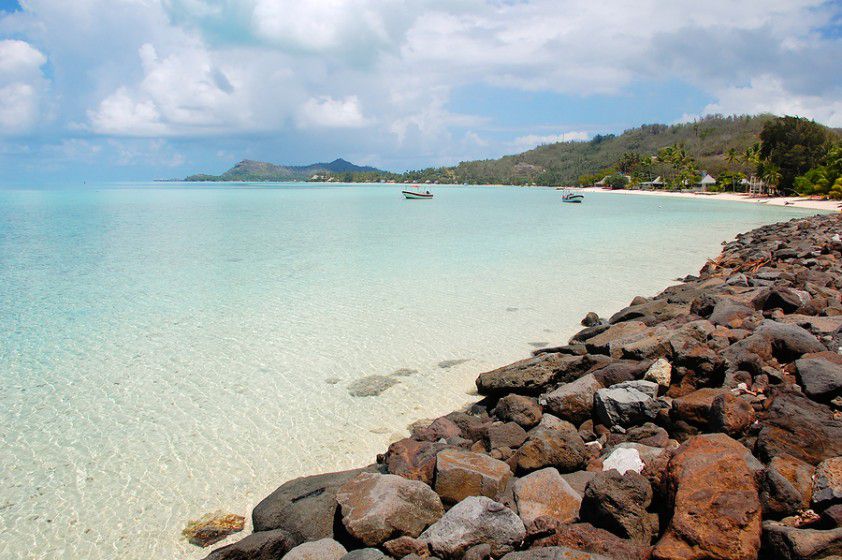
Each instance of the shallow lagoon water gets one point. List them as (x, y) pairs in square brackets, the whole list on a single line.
[(170, 350)]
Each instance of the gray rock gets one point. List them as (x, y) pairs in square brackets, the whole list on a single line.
[(789, 342), (365, 554), (371, 386), (324, 549), (788, 543), (265, 545), (626, 404), (820, 378), (554, 553), (472, 521), (573, 401), (827, 482), (545, 493), (304, 507), (618, 504)]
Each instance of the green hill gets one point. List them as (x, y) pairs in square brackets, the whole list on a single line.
[(250, 170), (707, 140)]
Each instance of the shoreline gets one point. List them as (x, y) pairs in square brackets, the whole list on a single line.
[(718, 369), (790, 201)]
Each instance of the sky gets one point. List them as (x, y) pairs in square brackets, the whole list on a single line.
[(143, 89)]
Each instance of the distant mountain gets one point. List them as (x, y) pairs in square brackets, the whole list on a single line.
[(250, 170)]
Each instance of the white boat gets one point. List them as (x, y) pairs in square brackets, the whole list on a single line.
[(572, 197), (415, 192)]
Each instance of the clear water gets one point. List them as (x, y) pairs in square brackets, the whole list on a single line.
[(172, 350)]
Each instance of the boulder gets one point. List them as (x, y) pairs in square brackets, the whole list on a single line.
[(561, 447), (473, 427), (695, 407), (621, 371), (827, 483), (553, 553), (524, 411), (378, 507), (617, 502), (627, 403), (461, 473), (610, 342), (716, 507), (801, 427), (403, 546), (533, 375), (730, 313), (790, 543), (472, 521), (438, 429), (655, 461), (731, 415), (212, 528), (265, 545), (304, 507), (545, 493), (509, 434), (623, 459), (820, 377), (660, 372), (324, 549), (573, 401), (365, 554), (788, 342), (413, 460), (786, 486), (587, 538), (578, 480)]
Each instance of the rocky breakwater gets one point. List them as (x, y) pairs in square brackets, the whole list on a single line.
[(703, 423)]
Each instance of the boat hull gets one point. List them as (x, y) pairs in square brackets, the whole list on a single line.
[(416, 196)]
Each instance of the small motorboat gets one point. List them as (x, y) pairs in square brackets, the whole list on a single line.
[(572, 197), (415, 193)]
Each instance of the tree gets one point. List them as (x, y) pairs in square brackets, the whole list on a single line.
[(616, 181), (794, 145), (825, 179)]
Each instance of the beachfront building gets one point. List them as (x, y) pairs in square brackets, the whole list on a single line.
[(758, 187), (656, 183), (706, 182)]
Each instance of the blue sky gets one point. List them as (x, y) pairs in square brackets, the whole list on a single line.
[(130, 90)]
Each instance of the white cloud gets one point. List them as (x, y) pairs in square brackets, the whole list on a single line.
[(22, 86), (532, 140), (327, 112), (769, 94)]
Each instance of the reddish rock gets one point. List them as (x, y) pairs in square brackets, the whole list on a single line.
[(587, 538), (731, 415), (695, 407), (379, 507), (545, 493), (827, 482), (573, 401), (786, 487), (461, 473), (403, 546), (559, 447), (525, 411), (717, 509), (413, 460), (440, 428), (507, 434), (533, 375)]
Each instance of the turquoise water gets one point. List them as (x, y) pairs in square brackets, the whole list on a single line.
[(173, 350)]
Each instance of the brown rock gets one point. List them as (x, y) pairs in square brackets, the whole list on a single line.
[(695, 407), (790, 543), (786, 487), (379, 507), (559, 447), (730, 414), (717, 510), (827, 482), (610, 341), (524, 411), (461, 473), (587, 538), (573, 401), (545, 493), (617, 502), (533, 375), (413, 460), (509, 435), (212, 528), (800, 427), (402, 546)]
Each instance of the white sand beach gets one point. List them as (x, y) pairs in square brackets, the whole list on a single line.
[(794, 201)]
